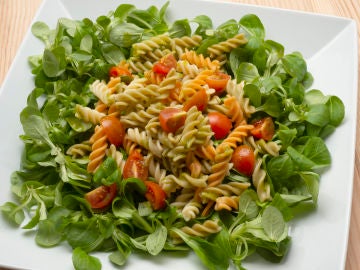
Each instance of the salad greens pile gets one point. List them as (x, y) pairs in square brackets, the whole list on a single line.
[(50, 185)]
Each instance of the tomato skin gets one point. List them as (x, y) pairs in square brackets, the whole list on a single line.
[(243, 159), (114, 130), (264, 129), (169, 61), (199, 99), (101, 196), (155, 195), (117, 71), (165, 64), (220, 124), (135, 167), (218, 81), (171, 119), (160, 68)]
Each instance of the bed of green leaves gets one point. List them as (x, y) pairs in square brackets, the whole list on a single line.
[(50, 185)]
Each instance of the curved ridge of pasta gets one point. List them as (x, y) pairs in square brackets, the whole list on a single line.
[(98, 149)]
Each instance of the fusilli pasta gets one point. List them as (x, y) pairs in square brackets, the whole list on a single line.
[(187, 164)]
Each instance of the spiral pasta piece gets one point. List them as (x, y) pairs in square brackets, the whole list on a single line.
[(169, 184), (151, 44), (145, 141), (227, 189), (186, 180), (155, 169), (190, 87), (248, 108), (202, 230), (206, 166), (227, 203), (237, 135), (155, 55), (114, 85), (88, 115), (259, 181), (179, 45), (102, 92), (98, 149), (101, 107), (191, 210), (263, 147), (79, 150), (196, 131), (235, 111), (221, 165), (141, 118), (117, 156), (168, 140), (153, 77), (138, 66), (216, 104), (193, 164), (136, 83), (153, 126), (189, 70), (129, 145), (168, 84), (183, 198), (206, 151), (222, 59), (226, 46), (133, 96), (198, 59), (237, 90)]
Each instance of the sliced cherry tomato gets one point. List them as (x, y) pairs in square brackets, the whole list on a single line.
[(160, 68), (117, 71), (155, 195), (114, 130), (171, 119), (165, 64), (102, 196), (243, 159), (199, 99), (220, 124), (218, 81), (135, 167), (264, 129)]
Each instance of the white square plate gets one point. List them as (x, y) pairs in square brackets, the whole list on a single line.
[(319, 239)]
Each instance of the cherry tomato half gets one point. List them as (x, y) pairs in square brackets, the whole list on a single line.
[(165, 64), (199, 99), (171, 119), (114, 130), (117, 71), (160, 68), (243, 159), (218, 81), (101, 196), (135, 166), (264, 129), (220, 124), (155, 195)]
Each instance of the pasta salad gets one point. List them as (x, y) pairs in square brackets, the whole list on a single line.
[(143, 135)]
